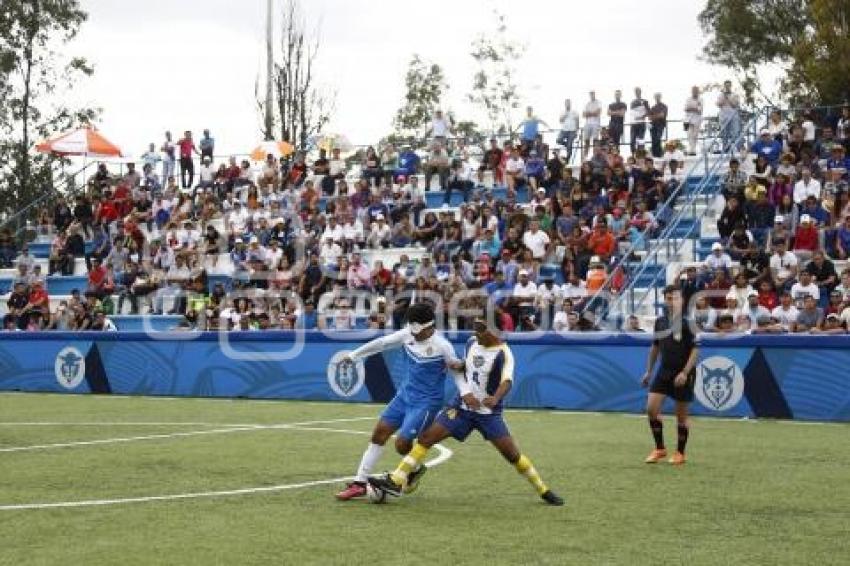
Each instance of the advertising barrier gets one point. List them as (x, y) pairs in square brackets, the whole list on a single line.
[(787, 377)]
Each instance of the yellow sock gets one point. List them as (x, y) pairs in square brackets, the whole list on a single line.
[(409, 463), (526, 468)]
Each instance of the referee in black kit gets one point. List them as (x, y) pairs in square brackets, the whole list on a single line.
[(675, 343)]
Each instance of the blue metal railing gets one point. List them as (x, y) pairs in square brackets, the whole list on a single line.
[(20, 218), (668, 240)]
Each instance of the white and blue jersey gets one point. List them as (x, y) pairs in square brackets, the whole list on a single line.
[(420, 393), (485, 370)]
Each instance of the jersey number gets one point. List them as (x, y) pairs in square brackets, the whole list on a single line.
[(475, 378)]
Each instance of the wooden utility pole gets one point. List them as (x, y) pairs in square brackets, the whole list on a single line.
[(269, 119)]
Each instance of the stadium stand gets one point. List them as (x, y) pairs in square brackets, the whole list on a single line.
[(319, 241)]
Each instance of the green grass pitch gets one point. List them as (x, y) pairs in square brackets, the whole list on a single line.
[(752, 492)]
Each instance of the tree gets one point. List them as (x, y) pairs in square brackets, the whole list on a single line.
[(300, 109), (493, 88), (425, 85), (35, 72), (820, 73), (807, 39)]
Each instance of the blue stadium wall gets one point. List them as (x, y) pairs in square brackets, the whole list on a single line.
[(789, 377)]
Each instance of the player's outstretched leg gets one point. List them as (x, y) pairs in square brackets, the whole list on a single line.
[(508, 448), (411, 466), (357, 488), (678, 458), (653, 413)]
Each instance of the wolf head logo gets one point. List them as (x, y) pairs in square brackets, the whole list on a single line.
[(717, 385)]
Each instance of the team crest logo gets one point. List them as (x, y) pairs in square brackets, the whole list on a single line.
[(345, 377), (70, 367), (451, 414), (720, 383), (478, 361)]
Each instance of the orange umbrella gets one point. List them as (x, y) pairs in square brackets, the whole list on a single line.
[(276, 148), (85, 141)]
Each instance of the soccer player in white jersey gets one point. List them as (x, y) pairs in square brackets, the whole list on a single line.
[(428, 356), (489, 368)]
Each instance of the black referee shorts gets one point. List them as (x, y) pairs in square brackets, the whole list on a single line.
[(664, 383)]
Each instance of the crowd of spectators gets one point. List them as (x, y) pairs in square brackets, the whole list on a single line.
[(782, 228), (304, 241)]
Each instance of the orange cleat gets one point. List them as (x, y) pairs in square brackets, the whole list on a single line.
[(677, 459), (656, 456)]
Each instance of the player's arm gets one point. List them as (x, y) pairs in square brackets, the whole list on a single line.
[(456, 367), (506, 381), (378, 345), (682, 377), (650, 363)]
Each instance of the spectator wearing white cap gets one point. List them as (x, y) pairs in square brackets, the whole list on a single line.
[(806, 238), (717, 259)]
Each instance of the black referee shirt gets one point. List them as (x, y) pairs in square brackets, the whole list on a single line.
[(675, 342)]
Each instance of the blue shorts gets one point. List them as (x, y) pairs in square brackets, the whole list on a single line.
[(409, 420), (460, 422)]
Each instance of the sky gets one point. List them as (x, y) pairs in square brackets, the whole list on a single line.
[(193, 64)]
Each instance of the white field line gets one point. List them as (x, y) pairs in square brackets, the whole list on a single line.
[(126, 439), (444, 454)]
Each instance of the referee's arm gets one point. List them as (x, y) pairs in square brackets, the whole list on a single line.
[(650, 363), (682, 376)]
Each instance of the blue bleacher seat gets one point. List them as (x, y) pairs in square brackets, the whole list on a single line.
[(56, 284)]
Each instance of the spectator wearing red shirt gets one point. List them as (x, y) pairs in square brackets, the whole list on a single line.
[(121, 198), (806, 240), (187, 165), (602, 242), (381, 277), (97, 280), (37, 301), (767, 296), (107, 213)]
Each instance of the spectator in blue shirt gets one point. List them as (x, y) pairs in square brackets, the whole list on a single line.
[(818, 213), (487, 243), (408, 162), (530, 127), (535, 169), (839, 161), (500, 286), (207, 145), (377, 207), (768, 147)]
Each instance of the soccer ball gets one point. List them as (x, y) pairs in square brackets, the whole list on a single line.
[(375, 495)]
